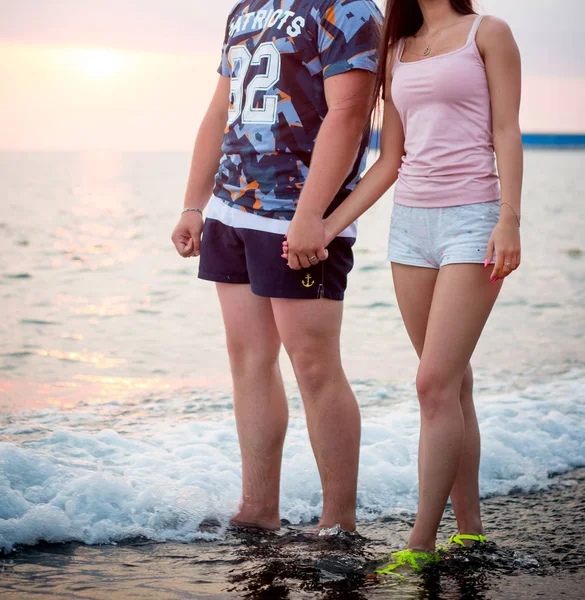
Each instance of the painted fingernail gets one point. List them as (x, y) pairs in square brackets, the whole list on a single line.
[(493, 279), (486, 263)]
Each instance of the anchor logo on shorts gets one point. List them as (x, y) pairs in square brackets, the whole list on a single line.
[(308, 281)]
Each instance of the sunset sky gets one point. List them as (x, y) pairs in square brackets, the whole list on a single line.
[(137, 74)]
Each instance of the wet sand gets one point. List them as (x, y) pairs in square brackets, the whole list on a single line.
[(536, 550)]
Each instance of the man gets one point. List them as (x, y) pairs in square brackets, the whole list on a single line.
[(295, 87)]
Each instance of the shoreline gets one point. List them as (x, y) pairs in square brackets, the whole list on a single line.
[(536, 549)]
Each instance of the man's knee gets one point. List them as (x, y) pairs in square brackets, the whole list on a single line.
[(315, 370), (252, 356)]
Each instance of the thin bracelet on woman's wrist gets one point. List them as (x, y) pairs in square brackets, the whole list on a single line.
[(197, 210), (513, 210)]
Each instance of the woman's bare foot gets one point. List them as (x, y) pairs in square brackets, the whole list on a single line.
[(463, 540)]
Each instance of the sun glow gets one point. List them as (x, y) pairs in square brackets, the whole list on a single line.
[(99, 63)]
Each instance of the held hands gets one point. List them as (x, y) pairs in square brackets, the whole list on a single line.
[(505, 242), (187, 234), (305, 244)]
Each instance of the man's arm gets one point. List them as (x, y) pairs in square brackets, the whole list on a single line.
[(348, 97), (204, 163)]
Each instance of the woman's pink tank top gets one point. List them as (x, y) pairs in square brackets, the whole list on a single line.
[(444, 105)]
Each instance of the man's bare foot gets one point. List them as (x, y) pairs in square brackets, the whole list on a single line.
[(343, 524), (241, 520), (323, 530)]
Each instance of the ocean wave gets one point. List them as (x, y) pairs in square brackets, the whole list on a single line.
[(160, 479)]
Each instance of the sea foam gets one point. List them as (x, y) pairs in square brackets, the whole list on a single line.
[(161, 478)]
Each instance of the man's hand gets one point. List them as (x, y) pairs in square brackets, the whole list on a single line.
[(187, 234), (306, 242), (204, 162)]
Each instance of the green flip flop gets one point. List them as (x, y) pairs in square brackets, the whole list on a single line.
[(411, 559), (461, 538)]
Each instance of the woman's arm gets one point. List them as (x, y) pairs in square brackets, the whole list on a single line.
[(204, 163), (378, 179), (502, 61), (348, 98), (382, 175)]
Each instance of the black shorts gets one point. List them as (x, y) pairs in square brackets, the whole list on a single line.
[(238, 255)]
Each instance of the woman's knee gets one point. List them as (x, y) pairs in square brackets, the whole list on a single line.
[(467, 386), (437, 391)]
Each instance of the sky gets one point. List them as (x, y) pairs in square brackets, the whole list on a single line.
[(138, 74)]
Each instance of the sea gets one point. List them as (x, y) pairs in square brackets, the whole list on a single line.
[(116, 424)]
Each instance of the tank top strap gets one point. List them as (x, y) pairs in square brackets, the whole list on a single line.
[(398, 53), (474, 28)]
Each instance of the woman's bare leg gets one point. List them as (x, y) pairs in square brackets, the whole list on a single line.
[(445, 314), (465, 490)]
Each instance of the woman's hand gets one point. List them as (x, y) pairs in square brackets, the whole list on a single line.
[(505, 242), (305, 242), (329, 237), (187, 234)]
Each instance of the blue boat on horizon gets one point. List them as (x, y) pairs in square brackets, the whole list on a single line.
[(554, 140), (536, 140)]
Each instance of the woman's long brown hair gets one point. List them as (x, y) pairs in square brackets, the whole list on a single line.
[(403, 18)]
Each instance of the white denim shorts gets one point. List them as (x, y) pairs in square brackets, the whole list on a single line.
[(435, 237)]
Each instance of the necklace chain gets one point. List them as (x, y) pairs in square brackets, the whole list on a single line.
[(429, 47)]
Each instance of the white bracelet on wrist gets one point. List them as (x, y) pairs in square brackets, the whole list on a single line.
[(197, 210)]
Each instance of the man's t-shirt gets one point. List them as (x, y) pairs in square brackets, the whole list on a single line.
[(278, 54)]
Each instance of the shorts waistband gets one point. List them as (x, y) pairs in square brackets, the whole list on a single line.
[(239, 219)]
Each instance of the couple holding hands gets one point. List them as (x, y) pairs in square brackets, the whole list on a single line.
[(278, 164)]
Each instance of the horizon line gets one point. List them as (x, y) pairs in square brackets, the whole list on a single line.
[(529, 139)]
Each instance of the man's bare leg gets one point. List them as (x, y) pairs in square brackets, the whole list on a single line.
[(310, 331), (259, 401)]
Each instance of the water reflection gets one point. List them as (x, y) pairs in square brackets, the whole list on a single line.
[(109, 307), (95, 358), (131, 392), (260, 569), (282, 566), (276, 566)]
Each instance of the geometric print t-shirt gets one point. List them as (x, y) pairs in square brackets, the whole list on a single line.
[(278, 54)]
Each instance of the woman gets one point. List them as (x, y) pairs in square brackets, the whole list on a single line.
[(450, 83)]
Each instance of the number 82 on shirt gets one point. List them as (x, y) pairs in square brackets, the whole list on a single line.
[(242, 101)]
